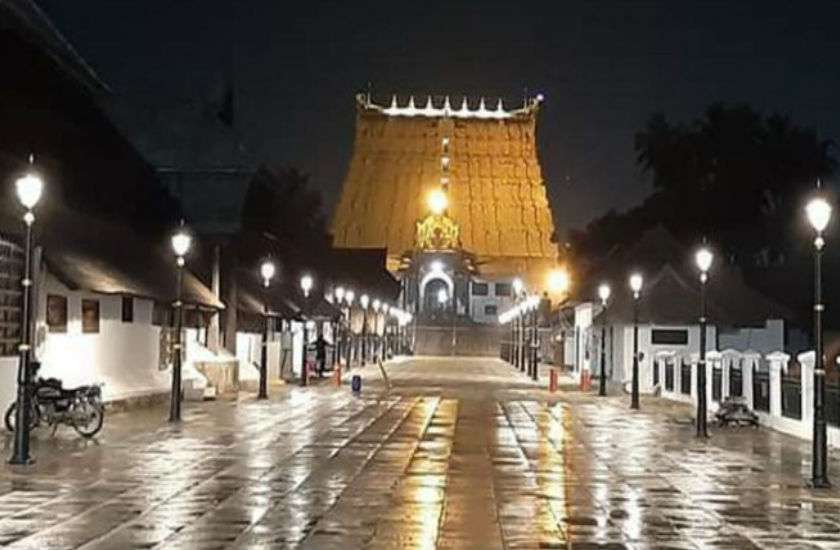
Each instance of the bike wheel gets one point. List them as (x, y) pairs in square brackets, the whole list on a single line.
[(94, 423), (11, 417)]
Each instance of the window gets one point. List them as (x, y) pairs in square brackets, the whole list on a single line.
[(502, 289), (127, 309), (161, 314), (491, 309), (677, 337), (56, 313), (90, 316), (480, 289)]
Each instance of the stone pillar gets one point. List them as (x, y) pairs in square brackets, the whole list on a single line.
[(806, 362), (213, 336), (750, 362), (678, 375), (778, 364)]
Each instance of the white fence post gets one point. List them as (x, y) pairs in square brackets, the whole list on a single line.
[(694, 358), (778, 364), (713, 358), (751, 360), (806, 363), (730, 356)]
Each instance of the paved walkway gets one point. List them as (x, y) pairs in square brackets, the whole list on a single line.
[(459, 454)]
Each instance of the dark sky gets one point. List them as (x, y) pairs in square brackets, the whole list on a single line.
[(603, 67)]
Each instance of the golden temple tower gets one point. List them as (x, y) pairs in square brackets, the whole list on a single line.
[(468, 173)]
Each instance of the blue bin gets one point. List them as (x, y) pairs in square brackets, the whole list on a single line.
[(356, 383)]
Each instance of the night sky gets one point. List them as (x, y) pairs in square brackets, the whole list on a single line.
[(603, 67)]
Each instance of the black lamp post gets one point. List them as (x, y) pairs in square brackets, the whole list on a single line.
[(306, 283), (267, 271), (535, 338), (181, 243), (818, 211), (349, 296), (29, 189), (704, 260), (364, 301), (604, 294), (636, 286)]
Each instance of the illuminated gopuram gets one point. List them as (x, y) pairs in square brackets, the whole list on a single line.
[(456, 196)]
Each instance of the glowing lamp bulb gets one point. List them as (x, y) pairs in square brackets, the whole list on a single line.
[(267, 270), (306, 284), (517, 286), (818, 211), (339, 293), (636, 283), (29, 189), (558, 281), (704, 258), (364, 301), (349, 296), (376, 305), (604, 292), (438, 202), (181, 242)]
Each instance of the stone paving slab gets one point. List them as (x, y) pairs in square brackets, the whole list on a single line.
[(459, 454)]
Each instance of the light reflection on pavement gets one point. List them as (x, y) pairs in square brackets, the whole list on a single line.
[(460, 454)]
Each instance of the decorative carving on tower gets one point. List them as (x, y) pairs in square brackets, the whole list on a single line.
[(437, 232)]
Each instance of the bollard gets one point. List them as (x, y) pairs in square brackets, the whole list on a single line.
[(552, 381), (356, 383), (337, 375)]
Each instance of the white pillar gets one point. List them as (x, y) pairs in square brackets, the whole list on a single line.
[(778, 364), (751, 360), (677, 375), (712, 360), (806, 362)]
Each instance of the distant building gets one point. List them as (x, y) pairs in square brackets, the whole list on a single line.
[(455, 195)]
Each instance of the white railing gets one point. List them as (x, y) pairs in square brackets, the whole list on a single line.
[(777, 363)]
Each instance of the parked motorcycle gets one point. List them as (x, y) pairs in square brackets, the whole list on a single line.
[(82, 407)]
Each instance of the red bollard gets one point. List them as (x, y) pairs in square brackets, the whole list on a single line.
[(337, 375), (552, 381), (585, 380)]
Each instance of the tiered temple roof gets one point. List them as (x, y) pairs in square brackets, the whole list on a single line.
[(496, 191)]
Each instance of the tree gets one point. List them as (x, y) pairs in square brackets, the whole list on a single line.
[(281, 213), (732, 175)]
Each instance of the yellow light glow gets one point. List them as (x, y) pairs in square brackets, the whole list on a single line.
[(437, 202), (558, 281)]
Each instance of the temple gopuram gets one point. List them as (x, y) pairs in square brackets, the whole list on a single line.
[(456, 197)]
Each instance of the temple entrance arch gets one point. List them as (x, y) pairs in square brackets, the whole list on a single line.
[(430, 287)]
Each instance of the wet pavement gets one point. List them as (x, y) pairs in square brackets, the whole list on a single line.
[(460, 453)]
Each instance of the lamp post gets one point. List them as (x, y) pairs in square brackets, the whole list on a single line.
[(267, 271), (386, 345), (29, 189), (535, 339), (364, 301), (181, 242), (377, 344), (306, 284), (518, 289), (604, 295), (703, 258), (349, 296), (636, 286), (339, 329), (818, 211)]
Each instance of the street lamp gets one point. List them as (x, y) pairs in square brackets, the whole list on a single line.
[(533, 304), (181, 242), (349, 296), (818, 211), (558, 281), (267, 271), (703, 258), (364, 301), (29, 189), (338, 329), (604, 294), (306, 283), (376, 344), (636, 286), (518, 289)]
